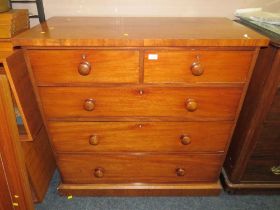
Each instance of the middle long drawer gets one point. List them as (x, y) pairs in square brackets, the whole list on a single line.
[(201, 103), (140, 136)]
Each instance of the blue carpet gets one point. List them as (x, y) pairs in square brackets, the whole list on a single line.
[(223, 202)]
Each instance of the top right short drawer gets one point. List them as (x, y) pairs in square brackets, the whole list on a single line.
[(182, 66)]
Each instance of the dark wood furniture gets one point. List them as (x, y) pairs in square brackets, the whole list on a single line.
[(140, 106), (253, 161)]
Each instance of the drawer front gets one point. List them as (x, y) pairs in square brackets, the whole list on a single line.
[(139, 136), (137, 168), (263, 170), (196, 66), (191, 103), (268, 143), (69, 66)]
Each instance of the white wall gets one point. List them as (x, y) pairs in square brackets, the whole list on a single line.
[(224, 8)]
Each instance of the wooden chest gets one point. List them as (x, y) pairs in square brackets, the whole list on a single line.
[(13, 22), (140, 106), (253, 161)]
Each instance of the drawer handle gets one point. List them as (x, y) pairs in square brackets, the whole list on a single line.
[(99, 172), (276, 170), (89, 104), (185, 139), (180, 172), (191, 105), (93, 140), (84, 67), (197, 69)]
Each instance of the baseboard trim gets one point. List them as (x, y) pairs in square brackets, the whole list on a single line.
[(193, 189), (248, 187)]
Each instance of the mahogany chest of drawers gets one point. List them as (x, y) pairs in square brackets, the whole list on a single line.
[(253, 161), (140, 106)]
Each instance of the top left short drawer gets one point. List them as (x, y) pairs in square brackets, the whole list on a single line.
[(55, 67)]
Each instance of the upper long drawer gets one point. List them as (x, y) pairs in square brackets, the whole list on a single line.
[(192, 103), (84, 66), (165, 66)]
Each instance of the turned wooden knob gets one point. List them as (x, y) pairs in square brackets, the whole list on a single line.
[(180, 172), (89, 104), (93, 140), (185, 139), (191, 105), (84, 68), (197, 69), (99, 172)]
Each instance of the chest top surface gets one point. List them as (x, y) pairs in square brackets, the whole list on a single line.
[(139, 32)]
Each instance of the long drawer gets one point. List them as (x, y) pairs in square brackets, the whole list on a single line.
[(171, 66), (84, 66), (262, 170), (137, 168), (140, 136), (193, 103)]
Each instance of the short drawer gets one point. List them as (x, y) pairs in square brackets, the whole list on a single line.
[(196, 66), (138, 168), (192, 103), (140, 136), (84, 66), (262, 170)]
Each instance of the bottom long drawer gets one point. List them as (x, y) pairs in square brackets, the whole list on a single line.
[(138, 168), (262, 170)]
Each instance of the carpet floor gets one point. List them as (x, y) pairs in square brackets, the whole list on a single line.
[(223, 202)]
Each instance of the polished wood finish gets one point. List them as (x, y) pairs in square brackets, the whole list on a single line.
[(13, 22), (249, 187), (6, 45), (268, 145), (11, 153), (5, 196), (27, 158), (139, 136), (40, 163), (262, 170), (139, 31), (138, 189), (137, 168), (155, 112), (253, 156), (155, 101), (38, 157), (21, 85), (107, 66), (177, 66), (274, 112)]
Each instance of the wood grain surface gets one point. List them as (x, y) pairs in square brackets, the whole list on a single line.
[(139, 31), (140, 136), (107, 66), (218, 66), (17, 73), (135, 168), (213, 103)]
